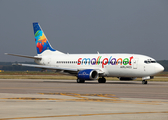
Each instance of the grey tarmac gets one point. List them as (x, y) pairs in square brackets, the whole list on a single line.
[(33, 99)]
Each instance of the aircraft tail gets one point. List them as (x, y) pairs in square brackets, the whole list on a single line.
[(41, 41)]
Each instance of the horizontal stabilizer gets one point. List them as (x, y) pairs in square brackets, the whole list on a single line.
[(25, 56)]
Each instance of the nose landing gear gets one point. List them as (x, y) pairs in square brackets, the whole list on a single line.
[(144, 81)]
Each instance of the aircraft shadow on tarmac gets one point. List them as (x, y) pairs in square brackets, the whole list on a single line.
[(94, 82)]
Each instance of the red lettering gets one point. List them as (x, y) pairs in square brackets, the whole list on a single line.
[(79, 61), (104, 62), (130, 60)]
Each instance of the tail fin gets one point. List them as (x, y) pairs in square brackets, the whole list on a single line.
[(41, 41)]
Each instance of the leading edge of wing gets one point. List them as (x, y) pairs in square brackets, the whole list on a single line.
[(48, 67)]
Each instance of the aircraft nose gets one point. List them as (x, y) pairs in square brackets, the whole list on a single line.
[(159, 68)]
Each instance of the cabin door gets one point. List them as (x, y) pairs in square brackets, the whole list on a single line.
[(135, 63)]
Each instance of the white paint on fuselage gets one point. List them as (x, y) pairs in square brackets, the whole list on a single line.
[(137, 67)]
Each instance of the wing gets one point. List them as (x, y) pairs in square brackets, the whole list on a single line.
[(68, 70)]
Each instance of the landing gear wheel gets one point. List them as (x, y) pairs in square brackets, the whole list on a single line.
[(99, 80), (144, 82), (102, 80), (80, 81)]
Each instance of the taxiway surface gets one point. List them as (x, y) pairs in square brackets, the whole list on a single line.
[(65, 99)]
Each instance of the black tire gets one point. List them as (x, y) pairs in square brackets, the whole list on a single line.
[(80, 81), (102, 80), (99, 80), (144, 82)]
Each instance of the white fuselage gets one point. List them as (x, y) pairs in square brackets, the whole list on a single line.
[(111, 65)]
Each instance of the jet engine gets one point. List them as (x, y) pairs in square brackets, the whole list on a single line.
[(88, 74)]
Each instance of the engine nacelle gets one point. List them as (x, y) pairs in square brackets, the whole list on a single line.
[(88, 74), (126, 78)]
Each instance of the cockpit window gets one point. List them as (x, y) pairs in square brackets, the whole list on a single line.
[(153, 61), (149, 61)]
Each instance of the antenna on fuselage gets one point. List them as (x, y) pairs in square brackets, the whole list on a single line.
[(97, 52)]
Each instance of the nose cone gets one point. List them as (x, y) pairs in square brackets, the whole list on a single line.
[(159, 68)]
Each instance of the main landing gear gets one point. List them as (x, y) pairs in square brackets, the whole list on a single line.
[(80, 81), (102, 80), (144, 81)]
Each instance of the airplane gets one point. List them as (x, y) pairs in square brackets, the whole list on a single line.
[(91, 66)]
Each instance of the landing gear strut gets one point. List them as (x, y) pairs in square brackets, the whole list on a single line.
[(144, 81), (102, 80), (80, 81)]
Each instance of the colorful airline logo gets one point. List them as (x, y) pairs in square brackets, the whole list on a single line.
[(105, 61), (42, 43)]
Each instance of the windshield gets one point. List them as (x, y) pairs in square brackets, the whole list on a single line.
[(150, 61)]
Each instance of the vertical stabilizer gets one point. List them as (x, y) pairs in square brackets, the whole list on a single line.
[(41, 41)]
